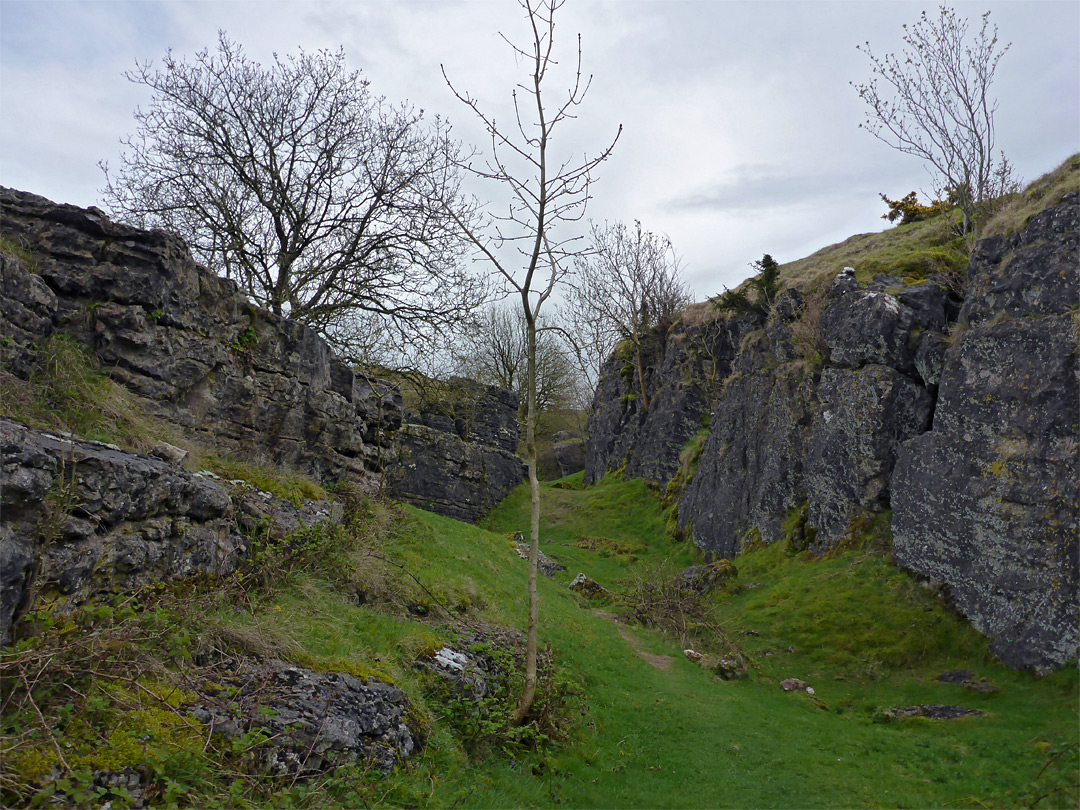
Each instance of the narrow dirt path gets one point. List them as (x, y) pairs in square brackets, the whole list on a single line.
[(659, 661)]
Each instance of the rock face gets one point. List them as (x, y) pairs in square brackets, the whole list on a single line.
[(751, 467), (682, 367), (569, 450), (787, 431), (459, 462), (316, 721), (80, 517), (958, 413), (234, 376), (987, 500)]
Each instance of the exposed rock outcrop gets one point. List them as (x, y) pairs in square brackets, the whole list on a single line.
[(79, 518), (683, 368), (963, 421), (569, 450), (315, 721), (232, 375), (751, 467), (987, 501), (459, 462)]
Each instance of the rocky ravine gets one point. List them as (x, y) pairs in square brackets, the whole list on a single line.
[(958, 413)]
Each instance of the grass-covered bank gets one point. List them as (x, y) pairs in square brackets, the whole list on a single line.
[(395, 585)]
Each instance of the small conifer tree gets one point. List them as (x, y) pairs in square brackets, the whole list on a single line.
[(758, 293)]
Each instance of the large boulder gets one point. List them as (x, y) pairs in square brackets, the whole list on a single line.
[(569, 450), (79, 518), (987, 501), (314, 721)]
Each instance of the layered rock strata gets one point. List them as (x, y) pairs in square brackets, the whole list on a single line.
[(79, 519), (459, 462), (188, 342)]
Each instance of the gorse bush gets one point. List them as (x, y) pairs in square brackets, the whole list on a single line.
[(908, 209)]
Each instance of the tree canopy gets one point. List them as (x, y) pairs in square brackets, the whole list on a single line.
[(323, 201)]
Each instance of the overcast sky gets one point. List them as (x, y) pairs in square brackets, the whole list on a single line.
[(740, 127)]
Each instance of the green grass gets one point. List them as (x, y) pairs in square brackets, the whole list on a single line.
[(912, 252), (865, 635), (626, 512), (67, 390), (283, 483)]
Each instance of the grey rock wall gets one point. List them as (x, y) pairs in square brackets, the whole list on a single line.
[(460, 461), (751, 468), (234, 376), (987, 501), (78, 518), (683, 367), (958, 413)]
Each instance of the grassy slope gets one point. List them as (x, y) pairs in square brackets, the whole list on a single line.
[(683, 739), (921, 248), (863, 634)]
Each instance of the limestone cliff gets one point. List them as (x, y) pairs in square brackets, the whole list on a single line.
[(189, 343), (232, 376), (459, 461), (957, 411)]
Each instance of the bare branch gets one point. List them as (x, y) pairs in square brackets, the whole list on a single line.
[(326, 204), (543, 200), (933, 101)]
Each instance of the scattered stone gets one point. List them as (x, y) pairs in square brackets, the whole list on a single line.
[(460, 668), (315, 721), (933, 711), (693, 655), (589, 588), (544, 564), (966, 679), (703, 578), (955, 676), (793, 685), (730, 667), (169, 452)]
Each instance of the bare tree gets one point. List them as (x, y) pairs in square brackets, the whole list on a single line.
[(627, 286), (324, 202), (933, 101), (526, 244), (496, 353)]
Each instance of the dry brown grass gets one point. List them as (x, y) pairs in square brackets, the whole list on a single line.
[(1038, 196)]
